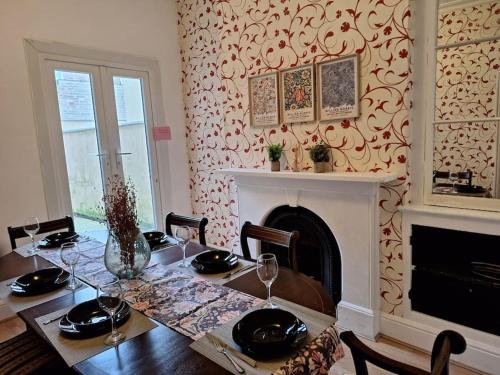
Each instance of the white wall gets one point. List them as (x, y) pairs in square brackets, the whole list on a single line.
[(144, 28)]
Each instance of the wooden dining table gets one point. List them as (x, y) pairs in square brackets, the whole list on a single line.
[(163, 350)]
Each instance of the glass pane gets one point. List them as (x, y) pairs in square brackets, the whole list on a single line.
[(76, 110), (134, 145)]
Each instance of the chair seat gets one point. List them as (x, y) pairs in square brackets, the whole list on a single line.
[(27, 353)]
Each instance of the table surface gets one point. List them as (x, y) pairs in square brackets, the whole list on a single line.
[(163, 350)]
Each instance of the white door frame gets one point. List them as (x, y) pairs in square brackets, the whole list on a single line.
[(39, 54)]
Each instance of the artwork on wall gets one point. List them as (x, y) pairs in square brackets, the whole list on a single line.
[(263, 94), (297, 94), (338, 88)]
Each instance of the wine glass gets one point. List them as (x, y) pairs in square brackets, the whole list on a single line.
[(267, 270), (70, 253), (183, 235), (453, 177), (31, 227), (109, 297)]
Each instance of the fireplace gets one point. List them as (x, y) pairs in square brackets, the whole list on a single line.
[(318, 253), (337, 215)]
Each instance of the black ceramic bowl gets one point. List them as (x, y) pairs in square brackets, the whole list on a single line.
[(154, 238), (40, 282), (57, 239), (87, 319), (269, 333), (214, 261)]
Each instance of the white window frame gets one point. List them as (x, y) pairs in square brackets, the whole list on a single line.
[(40, 55)]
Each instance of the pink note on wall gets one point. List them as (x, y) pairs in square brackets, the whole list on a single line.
[(162, 133)]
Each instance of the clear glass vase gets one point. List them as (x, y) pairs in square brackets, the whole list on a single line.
[(127, 256)]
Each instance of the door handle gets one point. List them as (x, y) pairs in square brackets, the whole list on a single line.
[(123, 153)]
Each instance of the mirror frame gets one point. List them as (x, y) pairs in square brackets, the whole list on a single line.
[(429, 87)]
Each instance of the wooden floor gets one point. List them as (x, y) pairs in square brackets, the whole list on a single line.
[(12, 327)]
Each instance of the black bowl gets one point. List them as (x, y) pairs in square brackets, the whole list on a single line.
[(156, 239), (473, 189), (40, 282), (269, 333), (87, 319), (214, 261), (57, 239)]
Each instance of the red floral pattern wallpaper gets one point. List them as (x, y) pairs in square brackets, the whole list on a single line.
[(223, 42), (466, 88)]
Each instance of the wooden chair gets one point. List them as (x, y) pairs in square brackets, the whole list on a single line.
[(273, 236), (446, 343), (467, 175), (192, 222), (46, 227)]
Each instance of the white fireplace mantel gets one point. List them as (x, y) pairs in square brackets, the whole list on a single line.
[(348, 202)]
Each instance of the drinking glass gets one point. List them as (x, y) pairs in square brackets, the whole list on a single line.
[(183, 235), (453, 177), (70, 253), (267, 270), (109, 297), (31, 227)]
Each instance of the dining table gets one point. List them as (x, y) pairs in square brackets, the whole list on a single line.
[(162, 350)]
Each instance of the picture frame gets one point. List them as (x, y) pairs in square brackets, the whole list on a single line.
[(298, 94), (338, 88), (264, 99)]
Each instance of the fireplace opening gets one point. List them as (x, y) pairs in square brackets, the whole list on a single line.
[(318, 253)]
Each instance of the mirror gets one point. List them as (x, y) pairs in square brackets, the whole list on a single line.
[(466, 118)]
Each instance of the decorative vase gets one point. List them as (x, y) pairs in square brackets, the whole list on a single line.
[(126, 257), (320, 167), (275, 166)]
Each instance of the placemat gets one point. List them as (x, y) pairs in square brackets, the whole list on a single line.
[(216, 278), (74, 351), (17, 304), (316, 323), (85, 243)]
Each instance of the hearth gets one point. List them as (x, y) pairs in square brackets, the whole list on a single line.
[(318, 253), (456, 276)]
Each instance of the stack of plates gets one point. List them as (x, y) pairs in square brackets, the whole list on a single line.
[(88, 320), (57, 239), (214, 261), (40, 282), (269, 333)]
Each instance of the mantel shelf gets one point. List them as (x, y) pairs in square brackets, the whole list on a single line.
[(362, 177)]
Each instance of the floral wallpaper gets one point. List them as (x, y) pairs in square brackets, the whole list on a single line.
[(466, 88), (223, 42)]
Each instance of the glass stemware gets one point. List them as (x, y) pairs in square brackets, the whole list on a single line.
[(31, 228), (70, 253), (183, 235), (453, 178), (267, 270), (109, 297)]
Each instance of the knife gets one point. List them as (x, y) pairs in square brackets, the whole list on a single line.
[(243, 357), (227, 276)]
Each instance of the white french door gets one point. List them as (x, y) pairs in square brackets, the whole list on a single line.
[(100, 126)]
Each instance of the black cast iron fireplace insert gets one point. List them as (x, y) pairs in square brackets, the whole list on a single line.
[(318, 253)]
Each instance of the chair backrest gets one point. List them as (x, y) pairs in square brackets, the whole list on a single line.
[(45, 227), (198, 223), (467, 175), (446, 343), (273, 236)]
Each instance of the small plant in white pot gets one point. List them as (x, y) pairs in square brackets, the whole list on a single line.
[(274, 151), (320, 155)]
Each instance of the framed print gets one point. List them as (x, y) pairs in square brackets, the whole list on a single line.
[(263, 94), (338, 88), (297, 94)]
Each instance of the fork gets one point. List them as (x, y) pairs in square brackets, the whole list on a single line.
[(53, 319), (221, 349)]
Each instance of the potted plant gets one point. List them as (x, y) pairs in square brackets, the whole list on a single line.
[(127, 252), (320, 155), (274, 151)]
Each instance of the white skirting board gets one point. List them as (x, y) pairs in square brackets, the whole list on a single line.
[(479, 355)]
